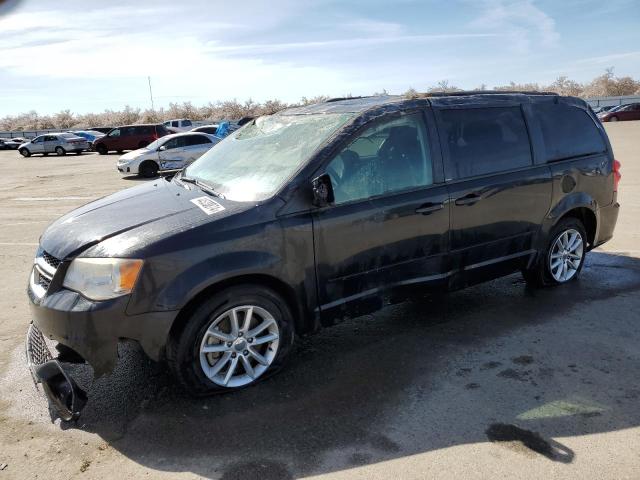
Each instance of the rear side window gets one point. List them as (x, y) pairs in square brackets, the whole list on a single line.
[(567, 131), (186, 123), (485, 140), (196, 140)]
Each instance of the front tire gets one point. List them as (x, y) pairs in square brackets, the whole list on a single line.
[(25, 152), (232, 340), (102, 150), (149, 169), (564, 255), (613, 119)]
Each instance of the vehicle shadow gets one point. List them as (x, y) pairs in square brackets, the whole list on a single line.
[(493, 363), (138, 178)]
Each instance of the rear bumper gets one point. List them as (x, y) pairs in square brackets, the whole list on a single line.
[(93, 329), (607, 216)]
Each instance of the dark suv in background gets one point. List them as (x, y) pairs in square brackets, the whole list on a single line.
[(129, 137), (316, 213)]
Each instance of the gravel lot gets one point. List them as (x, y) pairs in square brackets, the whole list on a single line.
[(495, 381)]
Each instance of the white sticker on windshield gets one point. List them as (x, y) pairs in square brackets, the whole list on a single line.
[(207, 205)]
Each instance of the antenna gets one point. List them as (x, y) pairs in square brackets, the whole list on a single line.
[(151, 94)]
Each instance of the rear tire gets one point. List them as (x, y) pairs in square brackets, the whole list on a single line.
[(149, 169), (205, 373), (60, 151), (101, 149), (613, 119), (566, 249), (25, 152)]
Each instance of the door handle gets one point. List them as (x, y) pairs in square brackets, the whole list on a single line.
[(469, 199), (428, 208)]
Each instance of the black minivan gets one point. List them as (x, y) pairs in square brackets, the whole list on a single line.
[(316, 213)]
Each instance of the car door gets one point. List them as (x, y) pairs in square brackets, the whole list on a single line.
[(498, 196), (50, 143), (172, 153), (388, 227), (112, 140), (37, 144)]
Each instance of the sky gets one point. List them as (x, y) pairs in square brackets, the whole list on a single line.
[(92, 56)]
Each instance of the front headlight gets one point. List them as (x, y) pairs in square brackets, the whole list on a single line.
[(102, 278)]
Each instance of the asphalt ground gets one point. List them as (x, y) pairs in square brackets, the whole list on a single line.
[(495, 381)]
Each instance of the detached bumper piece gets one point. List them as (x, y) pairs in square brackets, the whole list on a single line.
[(64, 395)]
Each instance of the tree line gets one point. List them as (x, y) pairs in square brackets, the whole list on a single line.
[(606, 84)]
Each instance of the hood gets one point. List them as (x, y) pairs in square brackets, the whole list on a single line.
[(158, 207), (134, 154)]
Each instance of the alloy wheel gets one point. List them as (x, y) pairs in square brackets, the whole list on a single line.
[(239, 346), (566, 255)]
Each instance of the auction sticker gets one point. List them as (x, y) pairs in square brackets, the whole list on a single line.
[(207, 205)]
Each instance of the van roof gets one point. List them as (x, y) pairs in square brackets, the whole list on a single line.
[(362, 104)]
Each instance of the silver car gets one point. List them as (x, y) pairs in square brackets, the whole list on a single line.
[(58, 143)]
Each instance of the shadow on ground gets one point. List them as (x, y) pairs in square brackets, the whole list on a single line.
[(497, 362)]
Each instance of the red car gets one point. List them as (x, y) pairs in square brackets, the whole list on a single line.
[(628, 112), (129, 137)]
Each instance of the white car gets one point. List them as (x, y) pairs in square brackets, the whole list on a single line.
[(167, 153), (184, 124)]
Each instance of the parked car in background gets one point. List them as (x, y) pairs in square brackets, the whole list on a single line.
[(184, 124), (609, 110), (90, 135), (9, 144), (104, 130), (129, 137), (20, 139), (604, 109), (316, 213), (623, 113), (58, 143), (167, 153), (210, 129)]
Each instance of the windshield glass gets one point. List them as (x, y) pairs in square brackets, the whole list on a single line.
[(254, 162)]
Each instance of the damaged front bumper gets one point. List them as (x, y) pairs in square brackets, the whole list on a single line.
[(91, 329), (66, 397)]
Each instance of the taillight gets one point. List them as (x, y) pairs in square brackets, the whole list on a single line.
[(616, 174)]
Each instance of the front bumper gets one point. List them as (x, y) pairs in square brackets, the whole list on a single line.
[(93, 329)]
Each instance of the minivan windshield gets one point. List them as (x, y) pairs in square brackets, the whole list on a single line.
[(253, 163)]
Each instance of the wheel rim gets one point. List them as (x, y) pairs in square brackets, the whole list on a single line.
[(59, 151), (239, 346), (566, 255)]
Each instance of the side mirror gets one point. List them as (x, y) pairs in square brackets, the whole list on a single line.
[(162, 148), (322, 190)]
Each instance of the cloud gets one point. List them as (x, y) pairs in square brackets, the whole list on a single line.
[(525, 24), (607, 59)]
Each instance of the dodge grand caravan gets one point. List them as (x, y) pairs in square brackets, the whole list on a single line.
[(316, 213)]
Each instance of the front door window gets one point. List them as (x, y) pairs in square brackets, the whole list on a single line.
[(389, 157)]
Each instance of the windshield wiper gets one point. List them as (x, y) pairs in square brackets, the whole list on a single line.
[(201, 185)]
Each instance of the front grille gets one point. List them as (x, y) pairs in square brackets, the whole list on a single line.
[(37, 350), (51, 260), (43, 281)]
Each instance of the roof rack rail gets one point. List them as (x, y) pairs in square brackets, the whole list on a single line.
[(339, 99), (488, 92)]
